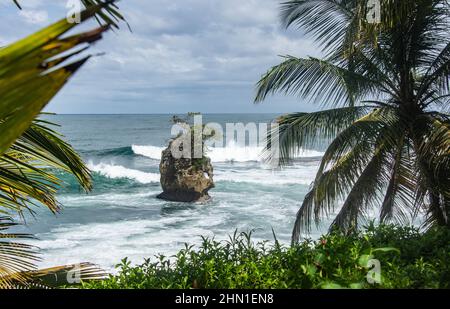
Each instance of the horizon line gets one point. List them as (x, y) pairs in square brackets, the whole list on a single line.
[(143, 114)]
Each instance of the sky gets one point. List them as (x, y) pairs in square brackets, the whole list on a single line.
[(181, 56)]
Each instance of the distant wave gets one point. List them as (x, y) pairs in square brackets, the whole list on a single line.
[(122, 151), (231, 153), (151, 152), (118, 171)]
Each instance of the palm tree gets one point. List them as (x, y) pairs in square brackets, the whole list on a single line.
[(32, 71), (385, 89)]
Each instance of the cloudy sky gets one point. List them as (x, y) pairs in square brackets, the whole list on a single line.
[(182, 56)]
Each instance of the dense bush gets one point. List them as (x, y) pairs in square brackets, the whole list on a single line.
[(408, 259)]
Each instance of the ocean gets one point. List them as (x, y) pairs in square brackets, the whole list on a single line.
[(122, 217)]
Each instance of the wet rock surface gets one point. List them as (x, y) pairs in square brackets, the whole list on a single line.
[(185, 180)]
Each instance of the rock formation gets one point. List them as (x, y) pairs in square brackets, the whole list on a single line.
[(185, 180)]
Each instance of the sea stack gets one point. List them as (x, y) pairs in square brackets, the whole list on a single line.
[(185, 180)]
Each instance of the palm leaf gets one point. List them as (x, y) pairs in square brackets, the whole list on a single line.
[(365, 192), (14, 257), (26, 92), (300, 131), (401, 190), (23, 184), (328, 188), (366, 129), (431, 138), (17, 3), (43, 144), (316, 79), (347, 160), (328, 21), (111, 17), (438, 72), (62, 276), (32, 71), (26, 169)]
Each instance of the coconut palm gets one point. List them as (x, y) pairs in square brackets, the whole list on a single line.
[(32, 71), (384, 88)]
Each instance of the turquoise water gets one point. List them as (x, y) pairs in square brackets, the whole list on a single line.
[(122, 217)]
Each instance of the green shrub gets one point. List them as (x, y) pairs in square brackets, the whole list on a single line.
[(408, 259)]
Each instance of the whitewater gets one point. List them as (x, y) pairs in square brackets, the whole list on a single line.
[(122, 217)]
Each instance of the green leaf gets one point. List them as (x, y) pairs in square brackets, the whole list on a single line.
[(32, 71), (364, 260), (386, 249), (27, 84)]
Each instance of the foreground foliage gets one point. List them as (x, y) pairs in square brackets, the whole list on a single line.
[(32, 71), (408, 259)]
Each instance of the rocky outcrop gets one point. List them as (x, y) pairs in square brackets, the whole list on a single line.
[(185, 180)]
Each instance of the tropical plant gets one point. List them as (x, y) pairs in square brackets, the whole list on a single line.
[(32, 71), (388, 84), (409, 259)]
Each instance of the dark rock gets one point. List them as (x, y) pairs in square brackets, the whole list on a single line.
[(185, 180)]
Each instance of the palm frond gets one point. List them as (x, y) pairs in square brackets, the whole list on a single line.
[(319, 80), (14, 257), (328, 21), (29, 77), (329, 188), (300, 131), (62, 276), (27, 84), (432, 147), (26, 169), (42, 144), (364, 194), (17, 3), (401, 191), (22, 185), (366, 129), (438, 73), (32, 71), (111, 17), (346, 160)]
